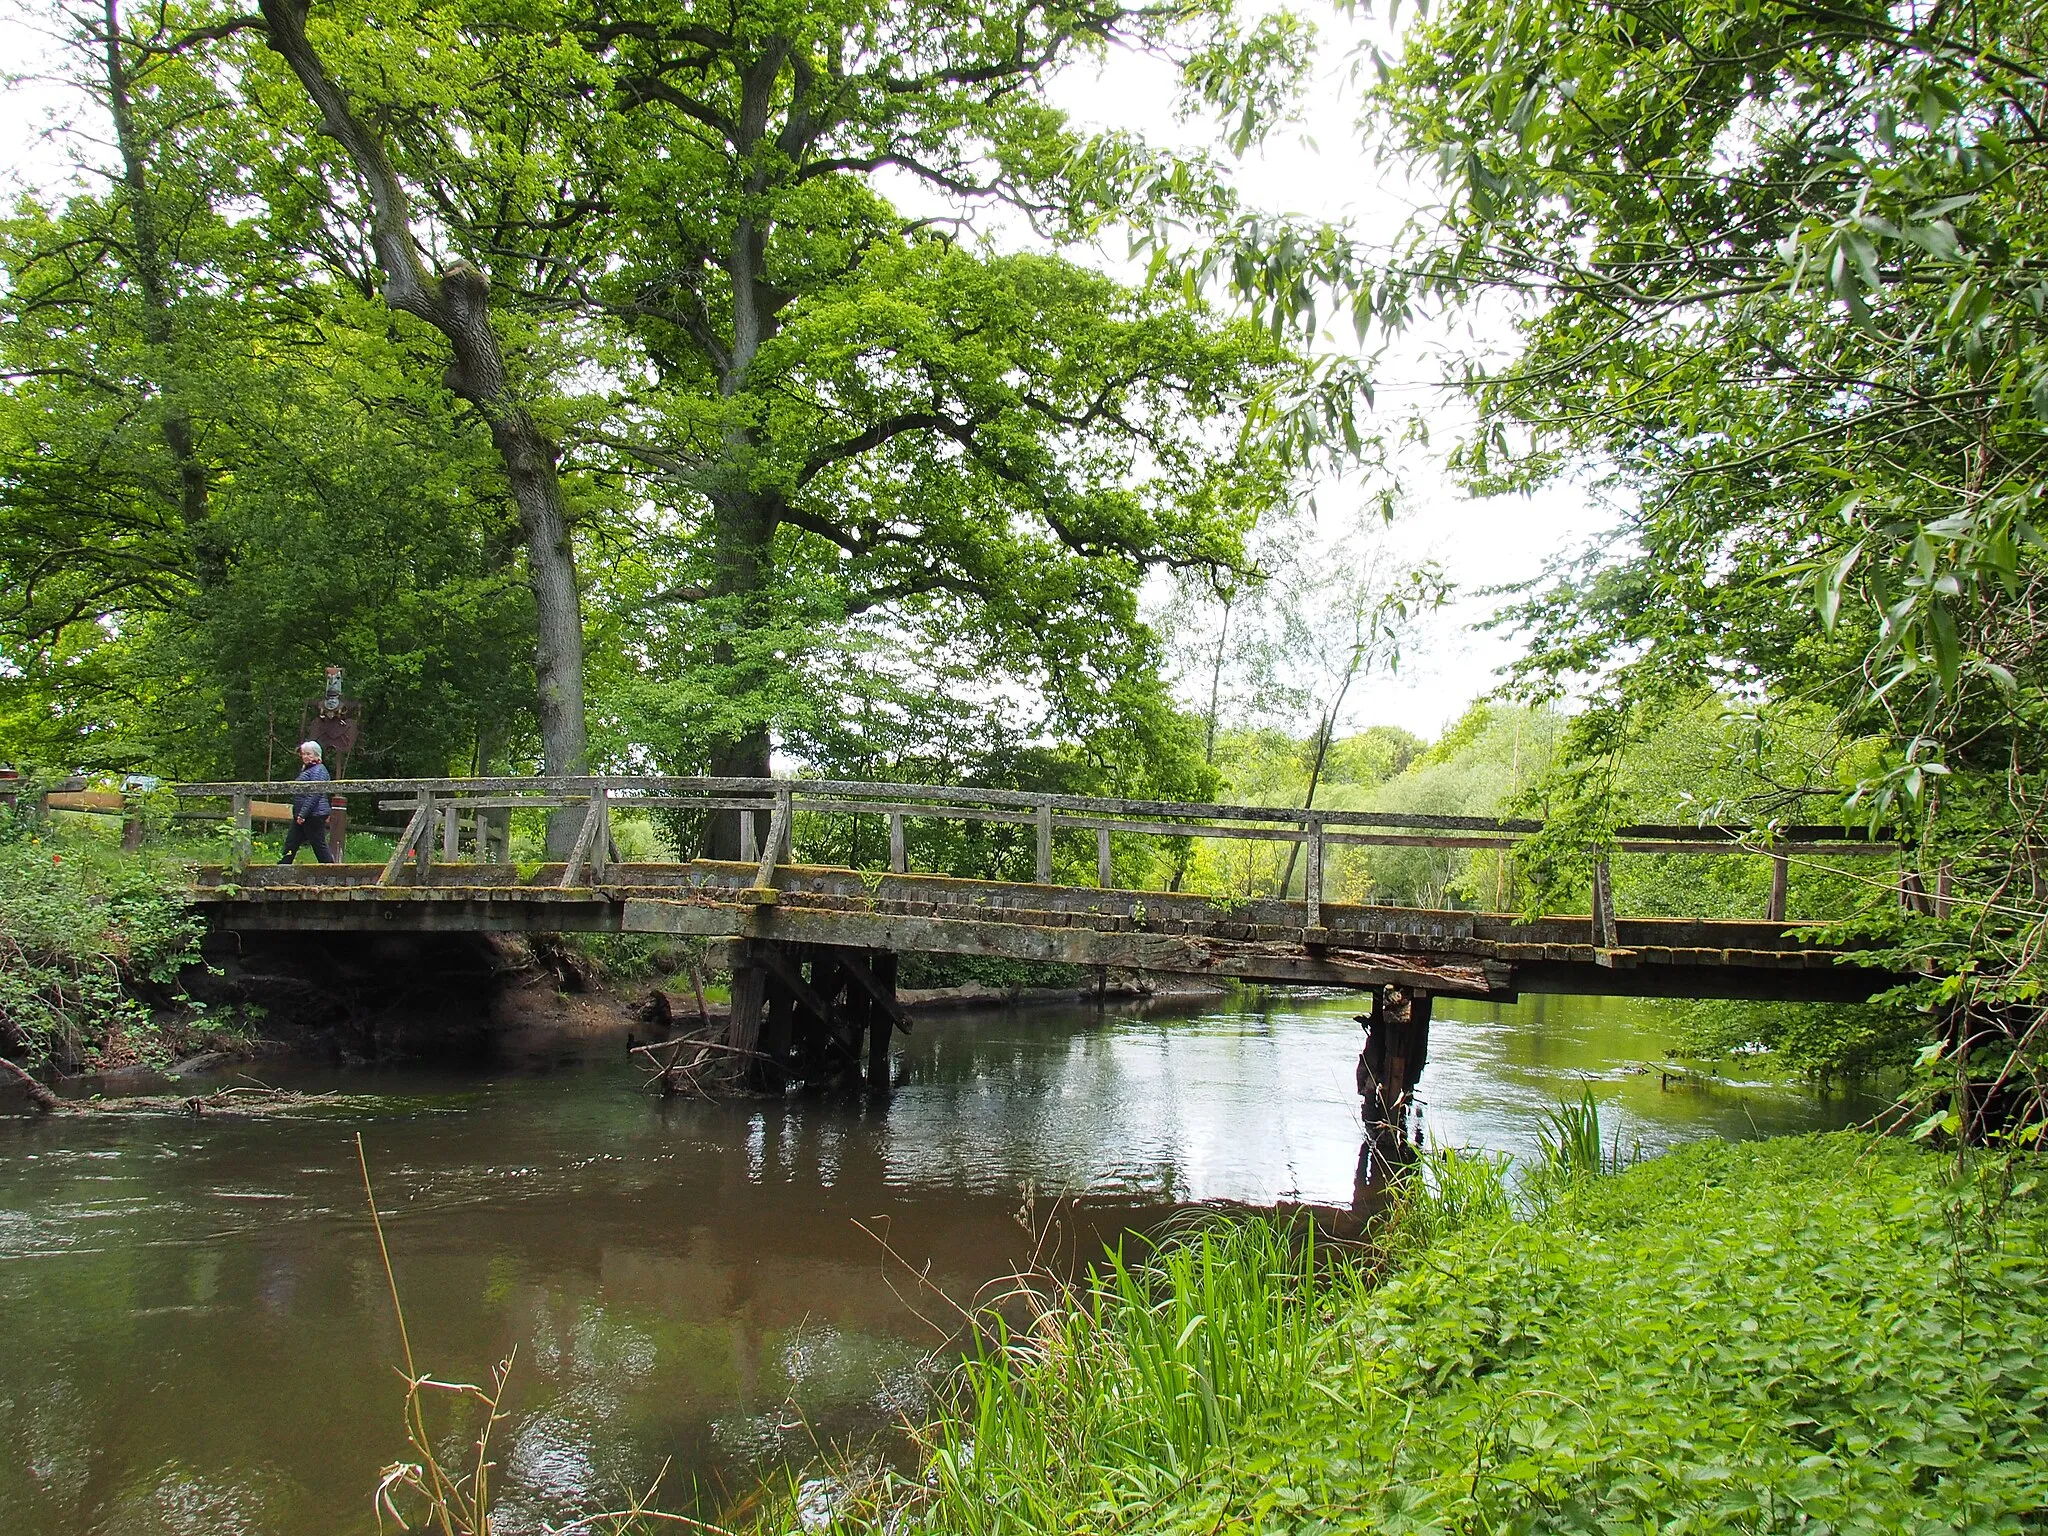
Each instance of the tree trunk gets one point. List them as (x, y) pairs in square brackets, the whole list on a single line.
[(146, 257), (743, 529), (457, 304)]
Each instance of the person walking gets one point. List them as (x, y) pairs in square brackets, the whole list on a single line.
[(309, 812)]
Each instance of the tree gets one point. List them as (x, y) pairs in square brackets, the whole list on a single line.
[(212, 482), (504, 116), (852, 410), (1779, 277)]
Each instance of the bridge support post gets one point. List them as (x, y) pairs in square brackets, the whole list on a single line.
[(749, 994), (1604, 926), (881, 1020), (899, 859), (1312, 879), (1390, 1066), (1044, 827), (1776, 912)]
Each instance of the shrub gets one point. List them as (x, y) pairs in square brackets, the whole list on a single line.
[(91, 946)]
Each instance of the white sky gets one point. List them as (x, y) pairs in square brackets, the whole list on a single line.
[(1316, 169), (1320, 170)]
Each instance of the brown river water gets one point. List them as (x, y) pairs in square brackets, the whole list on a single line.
[(199, 1338)]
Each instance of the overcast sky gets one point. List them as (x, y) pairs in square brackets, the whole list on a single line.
[(1318, 169)]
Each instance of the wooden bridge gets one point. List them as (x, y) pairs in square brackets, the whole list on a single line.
[(814, 946)]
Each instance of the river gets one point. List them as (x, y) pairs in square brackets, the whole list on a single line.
[(199, 1336)]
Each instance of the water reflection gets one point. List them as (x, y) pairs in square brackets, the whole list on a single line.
[(211, 1341)]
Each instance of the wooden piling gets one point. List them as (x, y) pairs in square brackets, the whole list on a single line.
[(749, 995), (882, 1019)]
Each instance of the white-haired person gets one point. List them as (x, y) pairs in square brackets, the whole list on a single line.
[(309, 812)]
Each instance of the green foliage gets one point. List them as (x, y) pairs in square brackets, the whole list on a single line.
[(91, 946), (1122, 1390), (1813, 1334), (1827, 1043), (1785, 264), (989, 971)]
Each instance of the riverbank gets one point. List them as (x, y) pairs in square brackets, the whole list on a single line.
[(1826, 1333)]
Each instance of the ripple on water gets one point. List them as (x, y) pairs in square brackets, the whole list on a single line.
[(177, 1500)]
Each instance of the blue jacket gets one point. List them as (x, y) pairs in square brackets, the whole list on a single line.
[(314, 804)]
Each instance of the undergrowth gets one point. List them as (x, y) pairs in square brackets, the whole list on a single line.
[(1829, 1334), (92, 944)]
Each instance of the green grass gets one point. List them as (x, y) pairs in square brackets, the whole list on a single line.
[(1816, 1335)]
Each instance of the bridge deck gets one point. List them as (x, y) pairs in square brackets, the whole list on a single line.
[(1462, 954)]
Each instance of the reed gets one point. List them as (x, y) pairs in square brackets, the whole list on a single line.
[(1120, 1389)]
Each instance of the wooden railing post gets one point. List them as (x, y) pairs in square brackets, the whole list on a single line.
[(1312, 880), (1045, 841), (243, 842), (593, 839), (601, 839), (1603, 906), (451, 832), (1779, 868), (1105, 875), (750, 843), (778, 837), (423, 842), (899, 858)]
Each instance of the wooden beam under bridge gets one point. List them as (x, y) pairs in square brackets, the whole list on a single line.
[(1478, 955)]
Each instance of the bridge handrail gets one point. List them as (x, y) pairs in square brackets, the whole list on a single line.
[(630, 790)]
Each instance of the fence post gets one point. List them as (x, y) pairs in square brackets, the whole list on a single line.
[(243, 844), (750, 845), (1105, 876), (601, 838), (899, 859), (451, 832), (1045, 841), (1312, 880), (423, 845), (1603, 905), (1776, 911)]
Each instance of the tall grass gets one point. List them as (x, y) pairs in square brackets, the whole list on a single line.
[(1119, 1390), (1570, 1137)]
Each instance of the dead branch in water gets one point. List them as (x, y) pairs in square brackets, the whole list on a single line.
[(38, 1095), (670, 1074)]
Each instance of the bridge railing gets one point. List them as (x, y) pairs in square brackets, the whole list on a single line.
[(438, 810)]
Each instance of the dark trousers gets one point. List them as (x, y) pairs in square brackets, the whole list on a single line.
[(309, 832)]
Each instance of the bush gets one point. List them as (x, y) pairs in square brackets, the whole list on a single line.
[(1826, 1043), (91, 946)]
